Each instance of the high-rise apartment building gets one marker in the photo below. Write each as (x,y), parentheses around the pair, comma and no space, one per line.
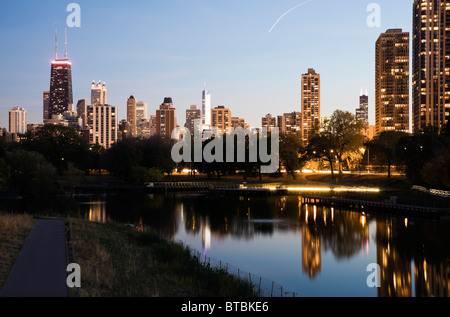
(362,113)
(166,118)
(237,122)
(310,103)
(221,118)
(392,81)
(61,97)
(269,122)
(206,107)
(102,125)
(98,94)
(131,115)
(192,114)
(292,123)
(18,120)
(431,63)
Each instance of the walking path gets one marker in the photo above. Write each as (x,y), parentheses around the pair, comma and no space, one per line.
(40,269)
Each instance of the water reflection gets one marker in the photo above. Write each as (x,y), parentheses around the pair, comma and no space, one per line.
(317,250)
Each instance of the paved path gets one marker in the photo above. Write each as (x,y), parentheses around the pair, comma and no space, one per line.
(40,269)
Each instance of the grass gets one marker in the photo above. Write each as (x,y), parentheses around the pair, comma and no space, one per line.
(14,230)
(118,261)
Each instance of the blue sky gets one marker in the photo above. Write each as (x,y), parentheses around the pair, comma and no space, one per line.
(154,49)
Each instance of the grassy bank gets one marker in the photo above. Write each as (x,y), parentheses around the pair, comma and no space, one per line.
(119,261)
(14,230)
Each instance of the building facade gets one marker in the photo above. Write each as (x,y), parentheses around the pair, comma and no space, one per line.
(102,125)
(392,81)
(310,104)
(98,94)
(18,120)
(431,64)
(362,113)
(61,97)
(221,118)
(206,107)
(166,118)
(192,114)
(131,115)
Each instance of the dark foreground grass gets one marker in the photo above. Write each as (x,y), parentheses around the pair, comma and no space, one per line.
(14,230)
(118,261)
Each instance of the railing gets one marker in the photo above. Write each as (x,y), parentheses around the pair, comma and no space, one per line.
(263,287)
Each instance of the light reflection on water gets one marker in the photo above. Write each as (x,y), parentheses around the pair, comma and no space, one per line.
(310,250)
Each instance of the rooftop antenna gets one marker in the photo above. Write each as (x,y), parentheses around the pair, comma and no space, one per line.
(56,42)
(65,42)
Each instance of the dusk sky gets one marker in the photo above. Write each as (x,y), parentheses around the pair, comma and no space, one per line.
(155,49)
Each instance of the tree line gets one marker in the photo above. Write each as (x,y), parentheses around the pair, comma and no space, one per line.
(55,157)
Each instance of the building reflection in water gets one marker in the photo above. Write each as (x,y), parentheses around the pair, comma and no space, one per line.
(97,212)
(406,275)
(414,259)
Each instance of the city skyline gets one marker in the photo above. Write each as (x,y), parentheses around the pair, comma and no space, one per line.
(252,72)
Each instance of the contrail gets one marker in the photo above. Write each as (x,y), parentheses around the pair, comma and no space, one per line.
(290,10)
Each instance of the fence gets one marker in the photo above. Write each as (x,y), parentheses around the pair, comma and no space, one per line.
(263,287)
(435,192)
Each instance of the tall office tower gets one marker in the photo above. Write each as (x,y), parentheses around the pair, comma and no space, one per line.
(192,114)
(206,107)
(131,115)
(166,118)
(82,112)
(98,94)
(269,122)
(310,104)
(102,125)
(141,111)
(221,118)
(362,113)
(46,103)
(17,120)
(392,81)
(61,98)
(431,64)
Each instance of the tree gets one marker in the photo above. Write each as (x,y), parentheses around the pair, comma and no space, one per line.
(321,146)
(60,145)
(383,147)
(344,133)
(291,148)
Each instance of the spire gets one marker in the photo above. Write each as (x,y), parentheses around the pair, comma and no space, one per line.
(65,43)
(56,42)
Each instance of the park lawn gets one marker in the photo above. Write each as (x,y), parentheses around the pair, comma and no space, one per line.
(119,261)
(14,230)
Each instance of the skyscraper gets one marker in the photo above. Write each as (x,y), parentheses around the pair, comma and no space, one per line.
(141,111)
(166,118)
(131,115)
(392,81)
(431,63)
(269,122)
(61,98)
(17,120)
(221,118)
(192,114)
(98,94)
(102,125)
(310,103)
(362,113)
(206,107)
